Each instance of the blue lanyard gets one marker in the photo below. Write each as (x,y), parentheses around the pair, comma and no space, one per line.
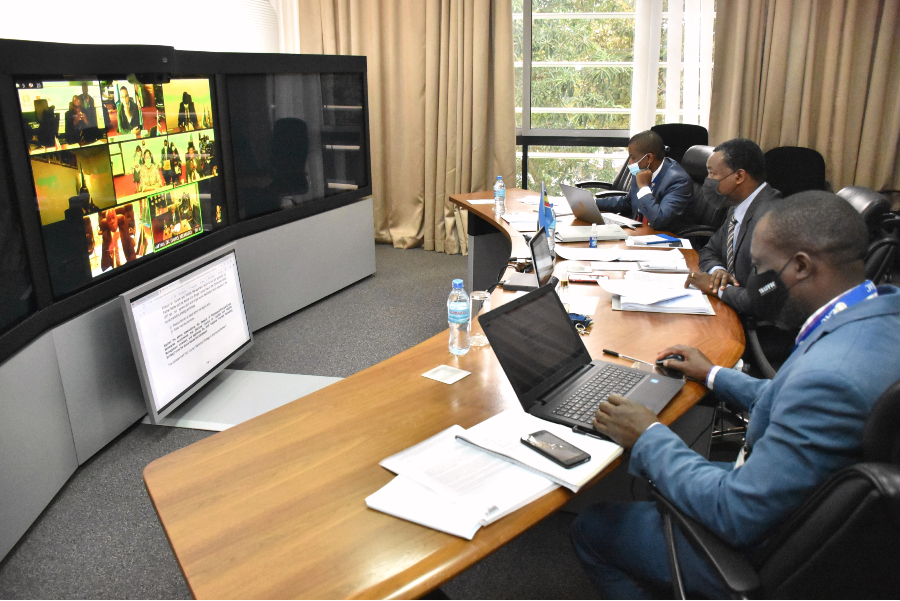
(853,296)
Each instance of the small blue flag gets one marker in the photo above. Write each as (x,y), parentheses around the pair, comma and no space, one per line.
(545,216)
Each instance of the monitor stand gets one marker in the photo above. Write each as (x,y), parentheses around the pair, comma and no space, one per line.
(235,396)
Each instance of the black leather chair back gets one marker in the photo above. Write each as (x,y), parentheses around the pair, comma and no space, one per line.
(679,137)
(881,437)
(792,169)
(871,205)
(843,542)
(701,212)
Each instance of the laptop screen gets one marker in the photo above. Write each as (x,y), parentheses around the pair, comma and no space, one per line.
(535,342)
(540,255)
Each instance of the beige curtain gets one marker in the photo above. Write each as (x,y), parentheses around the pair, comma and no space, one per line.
(824,74)
(441,102)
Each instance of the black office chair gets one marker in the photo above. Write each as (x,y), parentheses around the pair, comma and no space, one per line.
(792,169)
(620,185)
(679,137)
(706,218)
(840,544)
(884,230)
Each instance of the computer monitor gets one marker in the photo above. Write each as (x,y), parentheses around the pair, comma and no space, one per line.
(185,327)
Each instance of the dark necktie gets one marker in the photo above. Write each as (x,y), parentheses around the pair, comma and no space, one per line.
(729,251)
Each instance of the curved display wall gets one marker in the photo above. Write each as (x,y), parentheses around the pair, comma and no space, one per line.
(123,162)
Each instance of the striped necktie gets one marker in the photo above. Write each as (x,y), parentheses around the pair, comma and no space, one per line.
(729,251)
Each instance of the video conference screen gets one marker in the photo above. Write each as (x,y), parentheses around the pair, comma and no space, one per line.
(121,170)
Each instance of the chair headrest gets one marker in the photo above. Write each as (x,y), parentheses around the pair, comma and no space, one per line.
(870,204)
(881,437)
(694,162)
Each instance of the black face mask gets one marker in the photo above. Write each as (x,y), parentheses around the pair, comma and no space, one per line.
(711,194)
(768,293)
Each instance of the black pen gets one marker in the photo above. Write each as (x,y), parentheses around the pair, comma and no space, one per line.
(615,354)
(592,433)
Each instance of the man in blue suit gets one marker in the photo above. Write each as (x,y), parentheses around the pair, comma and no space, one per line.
(661,192)
(805,424)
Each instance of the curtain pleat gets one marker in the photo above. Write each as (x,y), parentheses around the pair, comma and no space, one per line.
(441,103)
(816,73)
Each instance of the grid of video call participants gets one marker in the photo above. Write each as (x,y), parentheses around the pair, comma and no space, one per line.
(124,157)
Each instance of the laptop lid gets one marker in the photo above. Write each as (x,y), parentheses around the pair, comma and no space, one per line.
(583,204)
(536,343)
(541,257)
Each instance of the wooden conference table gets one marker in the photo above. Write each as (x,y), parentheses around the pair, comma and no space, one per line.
(274,507)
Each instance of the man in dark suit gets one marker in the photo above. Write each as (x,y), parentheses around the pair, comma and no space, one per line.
(661,193)
(737,176)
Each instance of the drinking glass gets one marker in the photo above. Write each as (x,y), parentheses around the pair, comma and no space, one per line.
(481,303)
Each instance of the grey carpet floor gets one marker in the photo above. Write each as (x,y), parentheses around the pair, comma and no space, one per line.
(100,539)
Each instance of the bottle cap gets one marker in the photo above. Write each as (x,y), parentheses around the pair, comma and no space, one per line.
(457,283)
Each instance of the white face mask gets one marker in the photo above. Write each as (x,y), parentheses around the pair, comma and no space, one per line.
(635,166)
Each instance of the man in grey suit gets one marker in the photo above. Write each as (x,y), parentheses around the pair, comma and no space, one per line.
(737,176)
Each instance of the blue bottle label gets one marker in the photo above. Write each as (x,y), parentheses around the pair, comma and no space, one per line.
(458,313)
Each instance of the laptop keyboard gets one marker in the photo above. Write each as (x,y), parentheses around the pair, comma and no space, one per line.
(582,405)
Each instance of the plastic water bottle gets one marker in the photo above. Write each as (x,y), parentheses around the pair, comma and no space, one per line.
(458,318)
(499,196)
(593,242)
(551,229)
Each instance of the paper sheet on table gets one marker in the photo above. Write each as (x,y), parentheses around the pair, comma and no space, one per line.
(667,280)
(693,303)
(587,254)
(561,206)
(660,255)
(635,241)
(406,499)
(478,481)
(644,293)
(530,200)
(481,201)
(614,266)
(502,433)
(586,305)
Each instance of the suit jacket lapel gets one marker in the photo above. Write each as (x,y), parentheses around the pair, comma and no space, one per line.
(748,217)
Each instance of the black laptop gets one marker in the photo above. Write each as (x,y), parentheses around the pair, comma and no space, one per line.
(543,266)
(550,369)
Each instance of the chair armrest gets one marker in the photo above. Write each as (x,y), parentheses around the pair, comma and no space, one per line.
(729,564)
(594,184)
(697,230)
(759,357)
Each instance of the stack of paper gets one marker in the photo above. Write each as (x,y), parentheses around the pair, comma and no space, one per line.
(447,485)
(460,480)
(654,295)
(501,436)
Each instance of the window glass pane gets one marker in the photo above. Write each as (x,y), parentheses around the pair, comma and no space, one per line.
(554,165)
(518,84)
(582,6)
(602,93)
(582,63)
(583,39)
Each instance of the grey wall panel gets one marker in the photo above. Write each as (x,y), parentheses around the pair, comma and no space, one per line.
(103,393)
(37,454)
(287,268)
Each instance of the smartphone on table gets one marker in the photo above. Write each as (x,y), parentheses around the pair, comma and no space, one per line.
(555,448)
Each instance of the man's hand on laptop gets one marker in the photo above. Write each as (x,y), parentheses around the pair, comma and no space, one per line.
(695,365)
(623,420)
